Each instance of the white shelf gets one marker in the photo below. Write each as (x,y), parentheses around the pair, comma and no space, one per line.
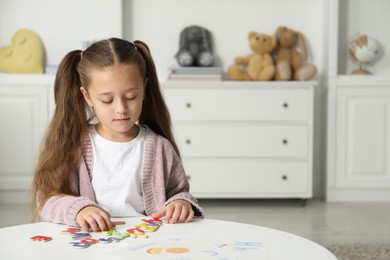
(348,80)
(233,84)
(351,17)
(30,79)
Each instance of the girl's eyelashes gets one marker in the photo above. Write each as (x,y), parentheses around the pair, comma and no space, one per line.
(131,98)
(111,100)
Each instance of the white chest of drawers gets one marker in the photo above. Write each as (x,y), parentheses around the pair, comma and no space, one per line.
(244,139)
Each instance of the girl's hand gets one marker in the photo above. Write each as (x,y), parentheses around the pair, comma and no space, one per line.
(178,211)
(95,219)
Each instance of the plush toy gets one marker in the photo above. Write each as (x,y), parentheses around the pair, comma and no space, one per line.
(288,61)
(256,66)
(195,47)
(25,55)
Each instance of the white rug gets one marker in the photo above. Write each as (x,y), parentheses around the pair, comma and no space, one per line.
(360,251)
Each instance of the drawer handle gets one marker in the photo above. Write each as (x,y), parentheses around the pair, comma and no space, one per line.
(188,141)
(285,105)
(188,105)
(285,141)
(284,177)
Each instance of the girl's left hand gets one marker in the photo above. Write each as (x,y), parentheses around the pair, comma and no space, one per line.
(178,211)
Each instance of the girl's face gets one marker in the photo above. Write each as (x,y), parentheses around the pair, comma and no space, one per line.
(116,95)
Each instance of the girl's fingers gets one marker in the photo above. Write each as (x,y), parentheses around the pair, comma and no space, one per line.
(184,214)
(168,215)
(84,226)
(92,224)
(101,223)
(175,216)
(178,211)
(105,222)
(190,216)
(159,214)
(95,219)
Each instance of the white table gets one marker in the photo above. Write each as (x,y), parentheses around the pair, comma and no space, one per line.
(200,239)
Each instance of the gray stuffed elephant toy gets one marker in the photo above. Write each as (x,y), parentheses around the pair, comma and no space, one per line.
(195,47)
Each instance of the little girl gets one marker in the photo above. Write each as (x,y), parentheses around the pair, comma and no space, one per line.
(127,163)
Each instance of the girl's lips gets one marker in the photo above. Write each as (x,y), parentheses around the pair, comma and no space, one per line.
(121,119)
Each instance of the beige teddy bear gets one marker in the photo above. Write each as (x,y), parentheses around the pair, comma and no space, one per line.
(256,66)
(289,62)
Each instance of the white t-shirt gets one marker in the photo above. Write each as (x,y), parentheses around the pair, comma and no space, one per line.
(116,174)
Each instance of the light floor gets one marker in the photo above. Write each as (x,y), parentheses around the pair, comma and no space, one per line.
(319,221)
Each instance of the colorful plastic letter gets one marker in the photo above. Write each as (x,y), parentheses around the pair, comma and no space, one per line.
(89,240)
(41,238)
(80,235)
(69,231)
(79,245)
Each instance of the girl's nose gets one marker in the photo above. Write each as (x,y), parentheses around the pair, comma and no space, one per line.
(120,107)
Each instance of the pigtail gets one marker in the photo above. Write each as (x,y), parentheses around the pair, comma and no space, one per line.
(70,121)
(155,113)
(61,152)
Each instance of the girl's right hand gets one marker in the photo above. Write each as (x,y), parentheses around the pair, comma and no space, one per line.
(95,219)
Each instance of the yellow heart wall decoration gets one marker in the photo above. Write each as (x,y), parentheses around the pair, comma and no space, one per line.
(25,55)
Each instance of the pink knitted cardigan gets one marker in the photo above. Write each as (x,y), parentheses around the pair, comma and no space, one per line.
(163,181)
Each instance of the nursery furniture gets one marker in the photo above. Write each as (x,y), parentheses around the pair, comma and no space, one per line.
(244,139)
(358,146)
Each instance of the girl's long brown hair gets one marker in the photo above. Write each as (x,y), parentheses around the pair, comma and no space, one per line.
(61,150)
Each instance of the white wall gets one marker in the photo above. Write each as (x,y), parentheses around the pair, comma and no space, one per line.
(365,17)
(61,25)
(64,24)
(159,24)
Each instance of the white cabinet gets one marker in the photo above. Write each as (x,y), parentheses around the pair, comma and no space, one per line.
(24,112)
(359,154)
(363,125)
(358,138)
(244,139)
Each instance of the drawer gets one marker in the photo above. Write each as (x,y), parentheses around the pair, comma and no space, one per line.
(245,140)
(239,104)
(247,178)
